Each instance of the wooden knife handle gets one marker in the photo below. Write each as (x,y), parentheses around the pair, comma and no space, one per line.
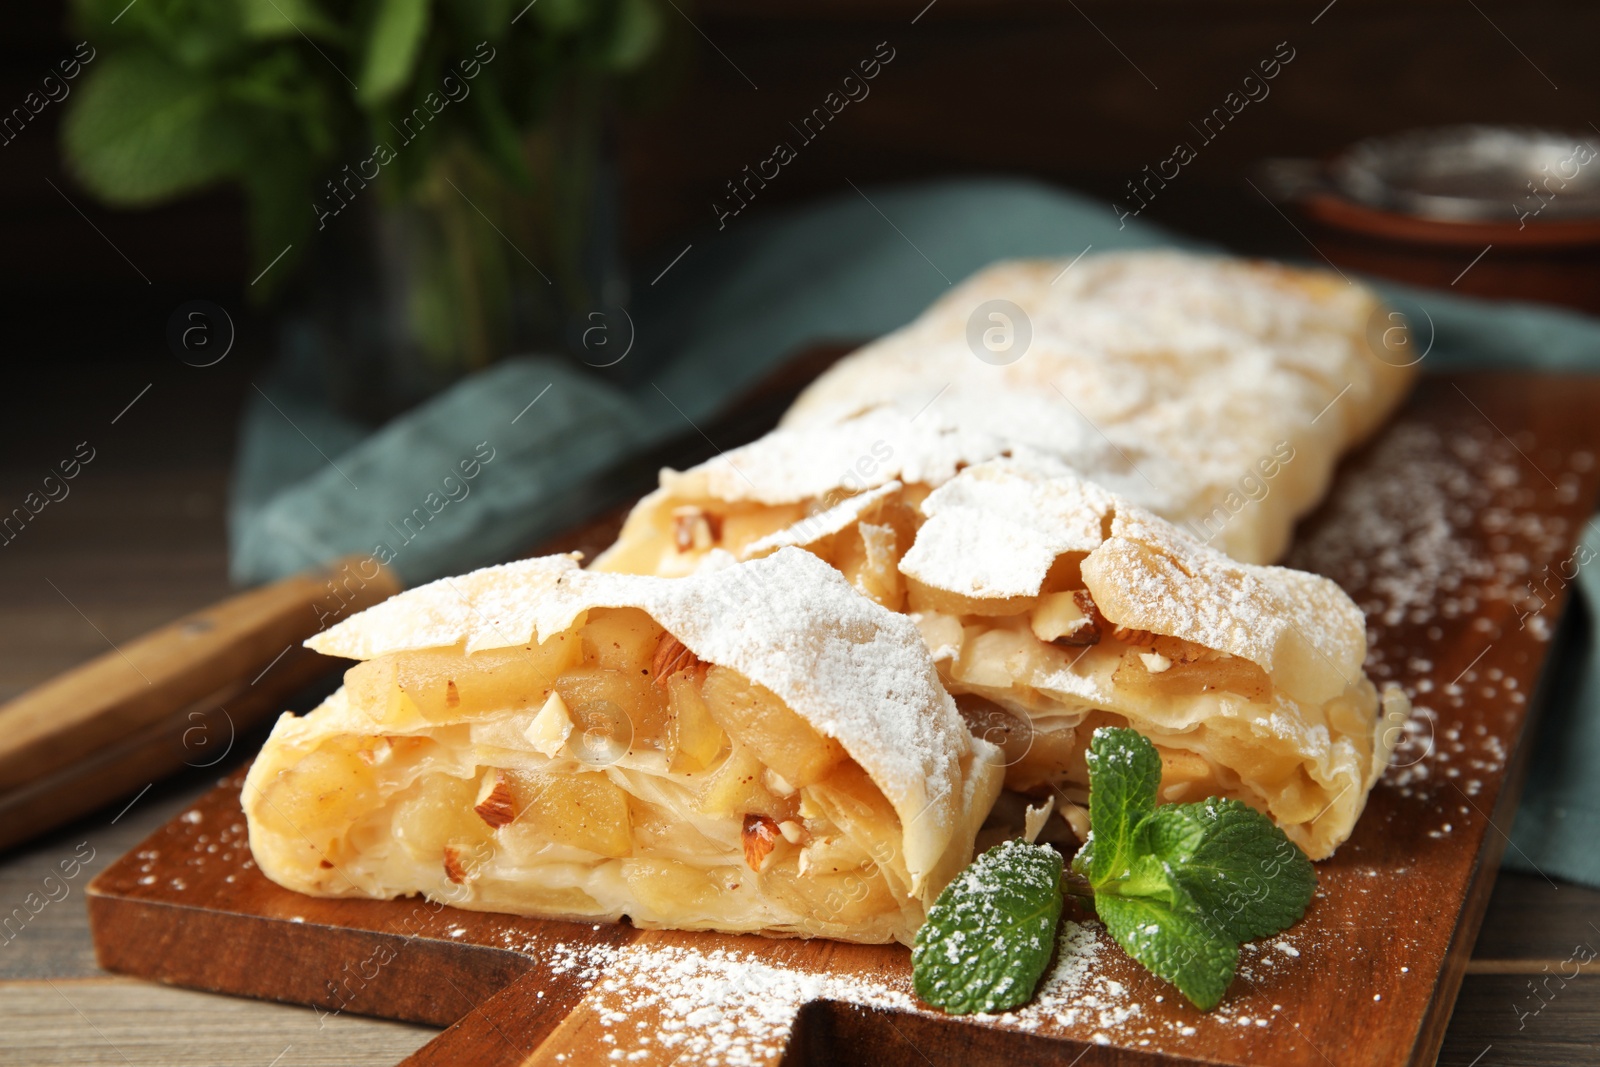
(227,655)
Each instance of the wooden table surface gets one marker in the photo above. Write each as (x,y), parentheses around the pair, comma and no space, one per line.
(141,539)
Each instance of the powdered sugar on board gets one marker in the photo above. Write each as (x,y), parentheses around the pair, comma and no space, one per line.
(1435,524)
(1437,534)
(1094,992)
(718,1006)
(729,1008)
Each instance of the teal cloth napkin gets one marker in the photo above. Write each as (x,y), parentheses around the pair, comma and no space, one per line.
(310,485)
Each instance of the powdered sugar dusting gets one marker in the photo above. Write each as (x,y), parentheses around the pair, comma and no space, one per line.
(996,528)
(725,1006)
(1435,524)
(790,465)
(1152,576)
(816,527)
(1442,531)
(718,1007)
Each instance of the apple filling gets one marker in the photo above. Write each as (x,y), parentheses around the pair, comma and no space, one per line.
(863,536)
(1044,728)
(605,772)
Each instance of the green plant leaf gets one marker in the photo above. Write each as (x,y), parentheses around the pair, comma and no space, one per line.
(479,20)
(394,40)
(1245,878)
(1173,944)
(272,19)
(1124,772)
(141,129)
(563,16)
(991,933)
(634,36)
(282,97)
(190,34)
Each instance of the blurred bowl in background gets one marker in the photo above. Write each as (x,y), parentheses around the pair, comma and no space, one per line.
(1473,174)
(1507,212)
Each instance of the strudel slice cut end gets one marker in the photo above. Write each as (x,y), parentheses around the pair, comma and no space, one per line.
(1053,608)
(754,749)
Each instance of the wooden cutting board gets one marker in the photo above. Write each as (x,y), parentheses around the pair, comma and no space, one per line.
(1454,531)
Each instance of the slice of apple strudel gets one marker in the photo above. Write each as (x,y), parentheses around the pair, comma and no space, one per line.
(1052,608)
(757,749)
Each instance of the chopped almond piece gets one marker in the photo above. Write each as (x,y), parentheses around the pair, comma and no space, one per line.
(1155,662)
(454,869)
(1098,624)
(695,529)
(549,730)
(760,836)
(496,805)
(1090,609)
(671,657)
(1067,619)
(378,753)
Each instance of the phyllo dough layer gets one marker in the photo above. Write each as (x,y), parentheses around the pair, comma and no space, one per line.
(752,749)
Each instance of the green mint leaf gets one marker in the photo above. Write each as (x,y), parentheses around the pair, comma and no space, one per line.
(991,933)
(1180,886)
(1167,939)
(1124,771)
(1245,878)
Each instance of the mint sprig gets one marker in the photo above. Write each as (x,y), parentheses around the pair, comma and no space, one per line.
(1178,886)
(991,933)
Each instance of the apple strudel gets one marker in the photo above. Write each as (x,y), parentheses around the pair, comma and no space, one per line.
(752,749)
